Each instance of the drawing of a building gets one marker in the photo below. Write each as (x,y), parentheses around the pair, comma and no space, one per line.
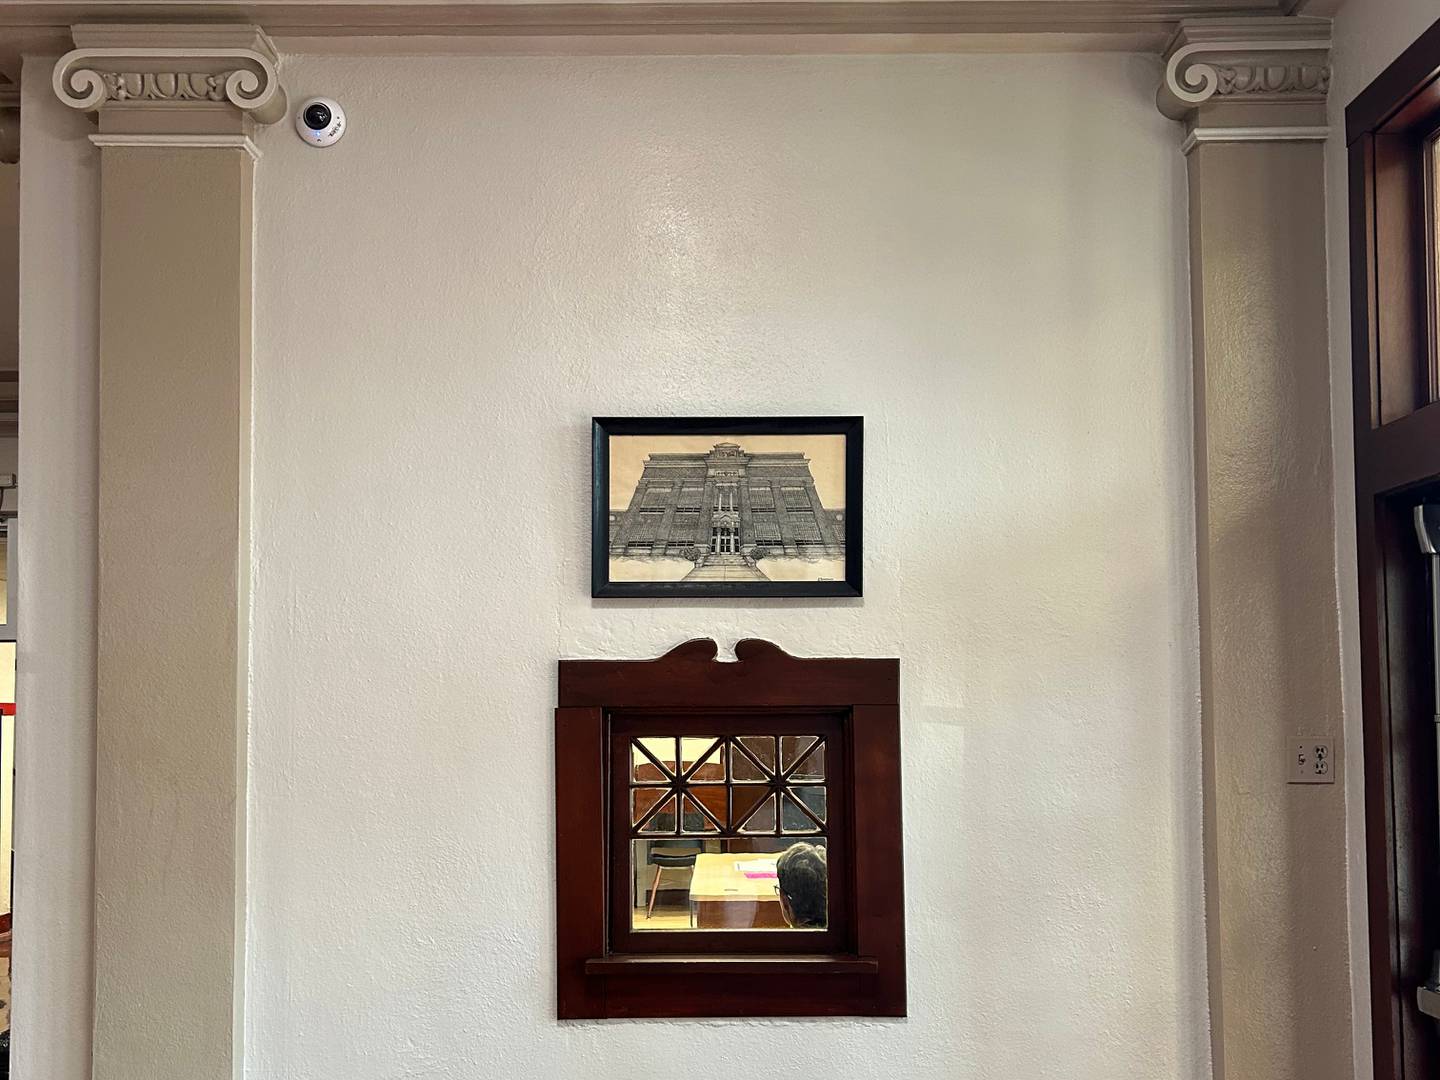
(729,507)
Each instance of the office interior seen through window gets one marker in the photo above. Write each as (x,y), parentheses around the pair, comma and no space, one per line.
(730,832)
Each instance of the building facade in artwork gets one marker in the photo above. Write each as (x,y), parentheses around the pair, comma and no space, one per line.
(727,503)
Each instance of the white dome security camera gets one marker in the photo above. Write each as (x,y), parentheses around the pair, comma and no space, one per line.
(320,121)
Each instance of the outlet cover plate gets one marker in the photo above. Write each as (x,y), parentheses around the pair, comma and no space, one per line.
(1310,761)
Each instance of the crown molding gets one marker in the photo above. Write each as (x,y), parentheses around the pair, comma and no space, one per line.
(1284,133)
(171,66)
(184,142)
(1268,61)
(427,25)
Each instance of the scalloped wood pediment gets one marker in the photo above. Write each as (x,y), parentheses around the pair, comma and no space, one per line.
(691,675)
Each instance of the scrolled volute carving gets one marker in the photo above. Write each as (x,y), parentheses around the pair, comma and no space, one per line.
(95,78)
(1249,62)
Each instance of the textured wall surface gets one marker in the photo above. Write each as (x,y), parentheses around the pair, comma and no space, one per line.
(1367,36)
(1268,624)
(9,266)
(52,971)
(174,608)
(983,255)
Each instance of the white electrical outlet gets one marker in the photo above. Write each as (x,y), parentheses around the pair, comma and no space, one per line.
(1311,761)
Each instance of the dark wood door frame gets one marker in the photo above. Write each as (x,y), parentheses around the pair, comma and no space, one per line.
(1397,464)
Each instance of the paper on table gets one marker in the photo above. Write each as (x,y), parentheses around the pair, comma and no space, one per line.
(756,868)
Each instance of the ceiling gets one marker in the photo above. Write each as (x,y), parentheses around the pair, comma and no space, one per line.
(645,26)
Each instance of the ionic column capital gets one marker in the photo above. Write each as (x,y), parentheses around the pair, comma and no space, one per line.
(1259,79)
(173,77)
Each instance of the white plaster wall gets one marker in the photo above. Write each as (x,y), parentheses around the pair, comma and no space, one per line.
(1367,35)
(52,974)
(9,266)
(984,255)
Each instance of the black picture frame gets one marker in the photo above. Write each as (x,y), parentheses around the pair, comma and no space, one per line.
(604,427)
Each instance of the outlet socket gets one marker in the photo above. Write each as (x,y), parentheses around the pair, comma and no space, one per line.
(1310,761)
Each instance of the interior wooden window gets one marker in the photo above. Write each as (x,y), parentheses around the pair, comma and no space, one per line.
(728,838)
(703,808)
(1391,133)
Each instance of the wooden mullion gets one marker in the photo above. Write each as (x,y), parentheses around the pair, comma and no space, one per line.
(1402,454)
(700,760)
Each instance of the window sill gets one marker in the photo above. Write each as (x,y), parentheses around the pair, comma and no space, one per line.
(732,965)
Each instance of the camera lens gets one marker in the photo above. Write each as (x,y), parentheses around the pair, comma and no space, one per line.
(316,116)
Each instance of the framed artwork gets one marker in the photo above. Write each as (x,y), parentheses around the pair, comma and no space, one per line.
(727,506)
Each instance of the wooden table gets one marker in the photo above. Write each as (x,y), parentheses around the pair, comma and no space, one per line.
(723,898)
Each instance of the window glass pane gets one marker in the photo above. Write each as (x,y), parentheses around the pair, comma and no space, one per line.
(705,758)
(812,765)
(661,821)
(812,799)
(793,748)
(730,884)
(743,801)
(694,819)
(793,818)
(642,800)
(1433,263)
(713,800)
(763,819)
(652,760)
(709,816)
(760,749)
(743,767)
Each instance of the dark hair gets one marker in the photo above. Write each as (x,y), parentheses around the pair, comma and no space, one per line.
(801,873)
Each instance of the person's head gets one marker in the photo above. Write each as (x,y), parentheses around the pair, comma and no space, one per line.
(800,871)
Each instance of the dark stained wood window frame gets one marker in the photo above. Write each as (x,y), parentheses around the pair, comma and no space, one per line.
(1396,379)
(858,966)
(828,723)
